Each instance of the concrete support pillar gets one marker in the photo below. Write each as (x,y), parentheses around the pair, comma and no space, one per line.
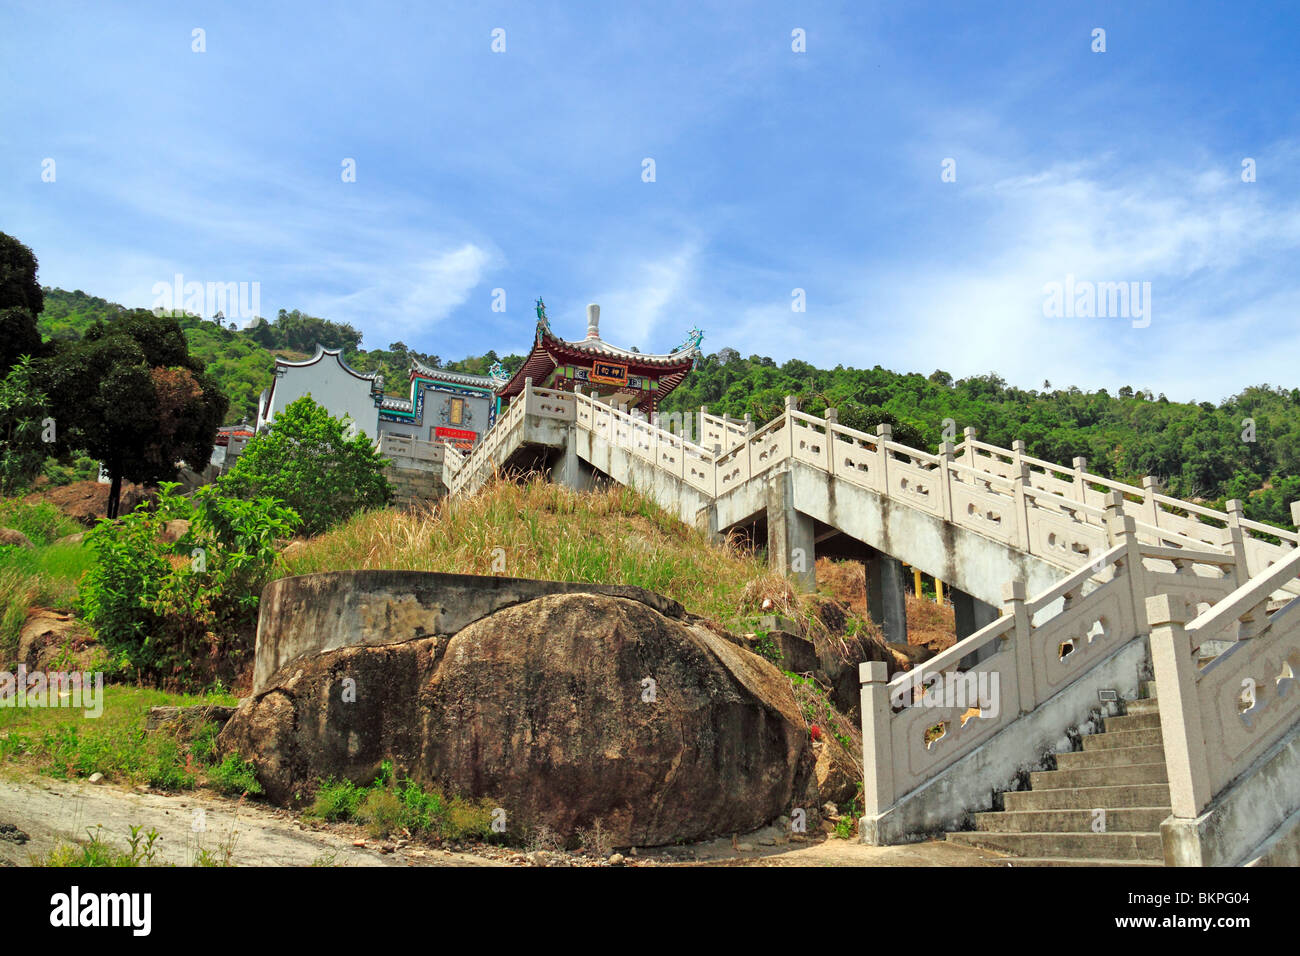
(970,614)
(790,546)
(571,471)
(887,595)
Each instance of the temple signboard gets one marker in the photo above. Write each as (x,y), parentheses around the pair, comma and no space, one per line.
(608,373)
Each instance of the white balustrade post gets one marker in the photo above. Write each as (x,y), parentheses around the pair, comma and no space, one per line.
(1237,537)
(789,425)
(1150,507)
(1295,515)
(749,424)
(1021,478)
(877,749)
(968,446)
(884,434)
(945,478)
(1080,486)
(528,395)
(1190,786)
(1122,529)
(1020,637)
(1017,454)
(832,419)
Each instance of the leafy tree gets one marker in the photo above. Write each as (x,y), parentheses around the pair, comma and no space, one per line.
(308,460)
(130,394)
(22,414)
(21,300)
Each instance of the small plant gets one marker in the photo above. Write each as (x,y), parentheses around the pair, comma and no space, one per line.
(594,840)
(337,800)
(543,838)
(235,776)
(221,855)
(382,812)
(765,646)
(98,852)
(143,845)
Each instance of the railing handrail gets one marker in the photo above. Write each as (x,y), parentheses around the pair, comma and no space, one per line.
(1249,595)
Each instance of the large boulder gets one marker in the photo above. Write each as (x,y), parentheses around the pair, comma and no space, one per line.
(562,710)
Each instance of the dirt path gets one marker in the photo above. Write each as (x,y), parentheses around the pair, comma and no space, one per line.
(39,813)
(51,812)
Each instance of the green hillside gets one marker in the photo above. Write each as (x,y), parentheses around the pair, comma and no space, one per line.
(243,360)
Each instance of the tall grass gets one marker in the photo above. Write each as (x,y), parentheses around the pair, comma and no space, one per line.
(543,530)
(45,574)
(42,522)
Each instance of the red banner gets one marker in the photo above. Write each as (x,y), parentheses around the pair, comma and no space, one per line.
(460,437)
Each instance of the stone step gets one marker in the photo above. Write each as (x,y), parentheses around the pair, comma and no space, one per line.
(1110,846)
(1125,820)
(1110,757)
(1085,798)
(1141,707)
(1132,722)
(1099,776)
(1124,739)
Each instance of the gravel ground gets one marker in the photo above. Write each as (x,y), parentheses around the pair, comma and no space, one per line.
(38,813)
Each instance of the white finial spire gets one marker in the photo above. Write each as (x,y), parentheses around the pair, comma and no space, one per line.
(593,321)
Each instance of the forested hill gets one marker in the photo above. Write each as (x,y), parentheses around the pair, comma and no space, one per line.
(243,360)
(1199,451)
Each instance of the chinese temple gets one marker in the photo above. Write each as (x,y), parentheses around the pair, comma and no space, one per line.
(624,378)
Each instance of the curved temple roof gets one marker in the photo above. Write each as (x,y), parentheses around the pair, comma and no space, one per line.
(550,351)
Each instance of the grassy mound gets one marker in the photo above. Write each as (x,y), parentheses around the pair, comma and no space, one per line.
(542,530)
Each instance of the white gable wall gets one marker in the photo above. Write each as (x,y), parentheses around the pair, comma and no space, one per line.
(330,385)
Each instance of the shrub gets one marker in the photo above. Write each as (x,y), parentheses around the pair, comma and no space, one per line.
(182,614)
(42,522)
(337,800)
(308,460)
(235,775)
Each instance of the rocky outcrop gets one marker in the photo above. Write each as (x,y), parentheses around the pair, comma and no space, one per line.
(12,536)
(55,640)
(562,710)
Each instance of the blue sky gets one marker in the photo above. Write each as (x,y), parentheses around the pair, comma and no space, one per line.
(774,171)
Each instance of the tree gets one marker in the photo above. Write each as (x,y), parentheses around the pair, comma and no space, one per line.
(22,414)
(308,460)
(21,301)
(130,394)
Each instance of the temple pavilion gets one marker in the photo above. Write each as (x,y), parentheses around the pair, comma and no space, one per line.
(621,377)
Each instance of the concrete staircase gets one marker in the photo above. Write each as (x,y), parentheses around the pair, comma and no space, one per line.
(1121,771)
